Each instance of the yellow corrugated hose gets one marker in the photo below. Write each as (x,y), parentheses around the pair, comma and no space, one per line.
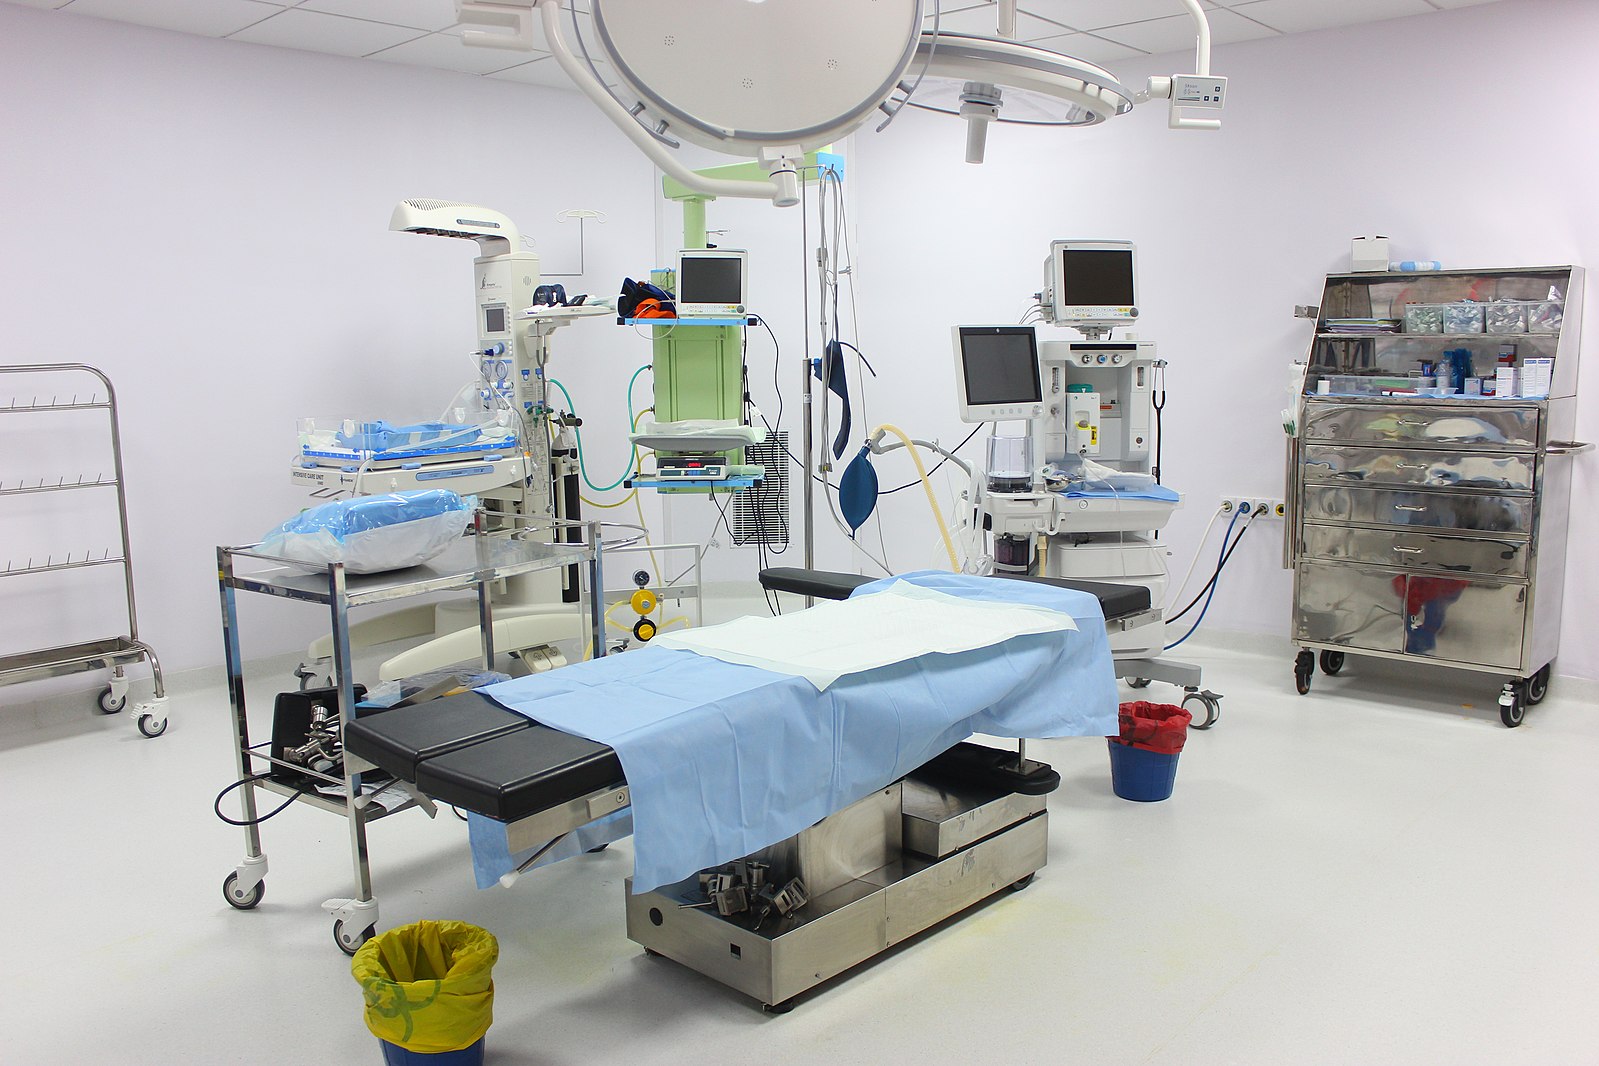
(927,486)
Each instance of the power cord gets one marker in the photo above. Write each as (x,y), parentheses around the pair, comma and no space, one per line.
(217,805)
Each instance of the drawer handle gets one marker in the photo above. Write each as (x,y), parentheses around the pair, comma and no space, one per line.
(1412,466)
(1568,447)
(1408,551)
(1408,507)
(1409,422)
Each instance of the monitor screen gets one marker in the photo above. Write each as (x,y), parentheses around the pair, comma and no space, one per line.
(1096,278)
(1000,365)
(494,320)
(710,280)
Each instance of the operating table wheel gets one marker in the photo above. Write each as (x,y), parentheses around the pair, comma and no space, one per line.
(350,943)
(1138,682)
(238,900)
(1017,886)
(778,1008)
(110,704)
(1332,662)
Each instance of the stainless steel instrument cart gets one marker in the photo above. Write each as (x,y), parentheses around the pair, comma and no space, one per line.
(476,561)
(114,653)
(1428,526)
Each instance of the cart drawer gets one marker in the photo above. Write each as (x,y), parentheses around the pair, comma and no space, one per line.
(1355,606)
(1414,467)
(1465,620)
(1370,506)
(1499,428)
(1505,557)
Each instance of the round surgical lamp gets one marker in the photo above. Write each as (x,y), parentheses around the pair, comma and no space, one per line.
(754,78)
(989,79)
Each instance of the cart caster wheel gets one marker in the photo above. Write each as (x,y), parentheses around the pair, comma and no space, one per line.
(1332,662)
(109,703)
(1211,705)
(1304,669)
(777,1008)
(1538,686)
(350,943)
(237,898)
(1017,886)
(151,725)
(1138,682)
(653,954)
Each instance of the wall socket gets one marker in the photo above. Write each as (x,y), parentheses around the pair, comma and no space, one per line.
(1274,507)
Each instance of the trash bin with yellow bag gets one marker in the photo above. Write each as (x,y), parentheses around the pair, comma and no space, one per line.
(429,992)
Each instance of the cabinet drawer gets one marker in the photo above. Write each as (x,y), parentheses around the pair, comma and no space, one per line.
(1371,506)
(1354,606)
(1435,469)
(1465,620)
(1417,551)
(1499,428)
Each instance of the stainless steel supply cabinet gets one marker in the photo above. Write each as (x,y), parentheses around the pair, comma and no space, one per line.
(1432,528)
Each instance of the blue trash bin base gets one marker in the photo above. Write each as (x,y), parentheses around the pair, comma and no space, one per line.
(395,1055)
(1139,775)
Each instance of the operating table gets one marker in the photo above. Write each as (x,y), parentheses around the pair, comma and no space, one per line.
(774,923)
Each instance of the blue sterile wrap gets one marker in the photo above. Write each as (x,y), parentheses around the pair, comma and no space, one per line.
(1153,492)
(369,534)
(723,759)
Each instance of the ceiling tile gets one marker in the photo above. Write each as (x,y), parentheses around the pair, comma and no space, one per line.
(1095,14)
(447,52)
(1297,16)
(312,31)
(1087,46)
(984,21)
(1176,33)
(207,18)
(417,14)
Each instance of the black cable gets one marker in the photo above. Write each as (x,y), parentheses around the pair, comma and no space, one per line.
(217,806)
(942,459)
(777,360)
(1228,554)
(1159,404)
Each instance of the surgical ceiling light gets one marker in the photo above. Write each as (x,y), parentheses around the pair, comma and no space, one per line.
(772,81)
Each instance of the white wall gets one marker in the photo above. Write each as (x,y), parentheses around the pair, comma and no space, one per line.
(208,222)
(1466,136)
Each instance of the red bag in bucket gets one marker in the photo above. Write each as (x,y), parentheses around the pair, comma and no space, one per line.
(1159,727)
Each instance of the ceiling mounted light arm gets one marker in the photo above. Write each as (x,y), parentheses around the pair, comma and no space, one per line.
(508,24)
(1198,90)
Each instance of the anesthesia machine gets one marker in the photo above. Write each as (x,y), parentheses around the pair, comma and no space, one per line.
(1079,494)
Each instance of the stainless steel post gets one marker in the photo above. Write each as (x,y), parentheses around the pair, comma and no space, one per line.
(596,590)
(344,680)
(241,729)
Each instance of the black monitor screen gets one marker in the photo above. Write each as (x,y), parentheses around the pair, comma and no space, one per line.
(1000,364)
(1096,278)
(494,320)
(710,280)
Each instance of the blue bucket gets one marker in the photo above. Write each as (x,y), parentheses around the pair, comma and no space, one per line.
(395,1055)
(1144,776)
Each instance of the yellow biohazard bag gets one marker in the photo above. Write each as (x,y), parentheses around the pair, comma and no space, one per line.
(428,986)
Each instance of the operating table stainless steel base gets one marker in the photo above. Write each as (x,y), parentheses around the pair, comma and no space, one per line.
(878,872)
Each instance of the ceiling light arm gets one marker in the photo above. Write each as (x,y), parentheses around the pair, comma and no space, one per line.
(1198,90)
(508,24)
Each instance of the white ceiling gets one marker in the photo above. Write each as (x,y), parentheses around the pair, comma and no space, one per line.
(423,32)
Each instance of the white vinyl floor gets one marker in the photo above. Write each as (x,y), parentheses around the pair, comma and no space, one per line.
(1376,873)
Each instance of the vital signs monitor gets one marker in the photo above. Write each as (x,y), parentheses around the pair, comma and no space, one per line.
(996,373)
(1091,284)
(711,282)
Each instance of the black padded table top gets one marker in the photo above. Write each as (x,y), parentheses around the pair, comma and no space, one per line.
(1116,601)
(469,751)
